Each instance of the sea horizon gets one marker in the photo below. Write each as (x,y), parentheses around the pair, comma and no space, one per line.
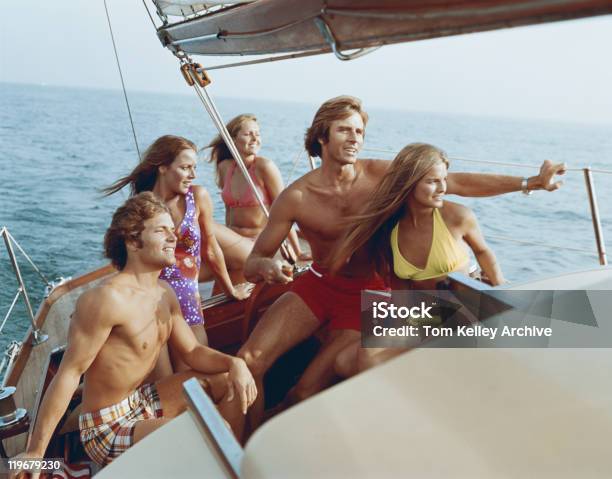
(380,107)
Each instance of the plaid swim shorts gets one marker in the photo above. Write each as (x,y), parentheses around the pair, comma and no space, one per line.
(107,433)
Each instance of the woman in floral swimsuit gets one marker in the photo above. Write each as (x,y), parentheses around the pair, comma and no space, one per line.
(168,169)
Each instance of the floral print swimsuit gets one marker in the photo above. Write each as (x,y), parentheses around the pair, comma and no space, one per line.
(183,276)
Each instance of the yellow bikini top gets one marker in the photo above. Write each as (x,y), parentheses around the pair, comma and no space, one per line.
(445,254)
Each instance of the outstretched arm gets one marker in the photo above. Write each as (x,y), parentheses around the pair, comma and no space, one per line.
(89,329)
(260,265)
(484,255)
(481,184)
(212,253)
(210,361)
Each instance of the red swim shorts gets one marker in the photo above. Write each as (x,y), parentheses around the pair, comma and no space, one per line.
(335,299)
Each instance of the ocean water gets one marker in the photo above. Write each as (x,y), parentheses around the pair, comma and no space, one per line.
(58,146)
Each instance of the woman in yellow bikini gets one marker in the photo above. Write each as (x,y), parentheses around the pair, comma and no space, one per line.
(412,236)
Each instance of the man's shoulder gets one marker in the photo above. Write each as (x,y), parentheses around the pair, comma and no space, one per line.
(296,190)
(374,167)
(114,292)
(101,301)
(107,292)
(289,202)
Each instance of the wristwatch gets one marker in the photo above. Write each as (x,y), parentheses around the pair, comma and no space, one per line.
(524,188)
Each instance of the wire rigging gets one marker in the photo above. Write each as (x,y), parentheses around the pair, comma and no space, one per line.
(122,82)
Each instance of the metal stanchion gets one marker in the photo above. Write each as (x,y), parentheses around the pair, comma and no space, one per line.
(38,336)
(590,186)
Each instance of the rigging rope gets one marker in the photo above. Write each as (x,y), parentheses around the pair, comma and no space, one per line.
(149,13)
(537,243)
(293,165)
(121,76)
(10,310)
(25,255)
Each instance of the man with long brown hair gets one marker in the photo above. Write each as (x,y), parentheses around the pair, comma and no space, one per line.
(115,337)
(318,202)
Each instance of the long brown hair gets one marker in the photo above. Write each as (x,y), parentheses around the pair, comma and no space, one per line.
(371,229)
(220,150)
(337,108)
(162,152)
(127,225)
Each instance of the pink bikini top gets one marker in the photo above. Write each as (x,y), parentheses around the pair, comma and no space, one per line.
(247,198)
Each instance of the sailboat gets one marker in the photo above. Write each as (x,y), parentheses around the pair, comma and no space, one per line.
(427,413)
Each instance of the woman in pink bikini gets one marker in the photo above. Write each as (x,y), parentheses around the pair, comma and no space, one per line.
(242,211)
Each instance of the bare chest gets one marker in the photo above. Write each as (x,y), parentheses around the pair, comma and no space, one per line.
(325,216)
(146,328)
(325,213)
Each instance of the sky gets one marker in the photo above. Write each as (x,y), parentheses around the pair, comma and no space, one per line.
(557,71)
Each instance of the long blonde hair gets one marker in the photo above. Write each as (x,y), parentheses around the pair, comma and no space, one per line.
(220,150)
(371,229)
